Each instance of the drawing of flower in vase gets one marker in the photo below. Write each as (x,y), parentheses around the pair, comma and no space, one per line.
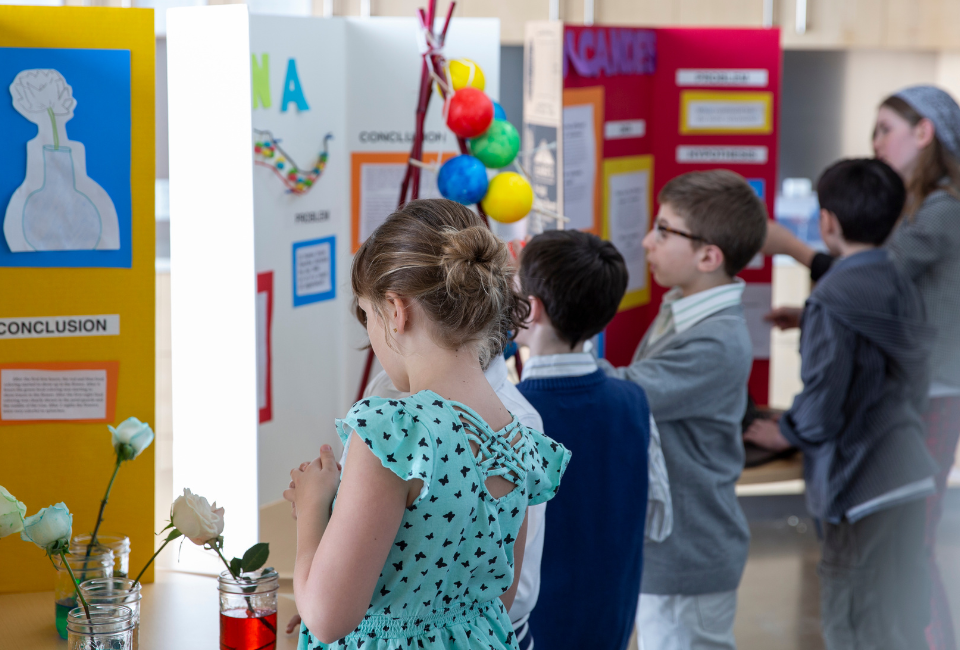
(57,207)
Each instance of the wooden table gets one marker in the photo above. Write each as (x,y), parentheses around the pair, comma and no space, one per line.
(782,469)
(179,611)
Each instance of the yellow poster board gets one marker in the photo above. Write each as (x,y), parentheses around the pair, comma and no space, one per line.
(76,311)
(707,112)
(627,218)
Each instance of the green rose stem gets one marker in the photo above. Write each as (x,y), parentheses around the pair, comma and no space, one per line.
(76,583)
(246,598)
(53,121)
(235,576)
(103,504)
(152,558)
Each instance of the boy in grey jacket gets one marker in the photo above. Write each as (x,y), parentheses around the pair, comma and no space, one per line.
(693,363)
(864,352)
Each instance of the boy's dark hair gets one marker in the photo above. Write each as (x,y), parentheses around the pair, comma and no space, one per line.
(866,196)
(579,278)
(720,207)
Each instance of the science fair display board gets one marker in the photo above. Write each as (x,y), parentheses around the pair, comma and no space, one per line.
(77,270)
(612,113)
(289,139)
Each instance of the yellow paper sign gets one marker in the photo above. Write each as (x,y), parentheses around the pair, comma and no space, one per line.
(726,113)
(627,209)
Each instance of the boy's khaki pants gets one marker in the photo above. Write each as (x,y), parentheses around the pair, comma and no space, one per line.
(678,622)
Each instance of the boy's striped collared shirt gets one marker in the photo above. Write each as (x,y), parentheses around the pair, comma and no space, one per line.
(678,314)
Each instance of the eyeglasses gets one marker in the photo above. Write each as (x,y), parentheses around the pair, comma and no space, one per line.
(662,232)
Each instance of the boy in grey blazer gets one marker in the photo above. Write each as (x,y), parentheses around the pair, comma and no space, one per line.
(864,360)
(693,363)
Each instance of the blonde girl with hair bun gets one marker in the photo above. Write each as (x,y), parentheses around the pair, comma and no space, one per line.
(424,546)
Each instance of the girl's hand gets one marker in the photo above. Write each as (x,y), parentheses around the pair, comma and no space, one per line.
(785,317)
(290,494)
(293,624)
(315,484)
(766,435)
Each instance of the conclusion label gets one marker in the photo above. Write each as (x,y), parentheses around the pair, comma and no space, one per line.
(40,327)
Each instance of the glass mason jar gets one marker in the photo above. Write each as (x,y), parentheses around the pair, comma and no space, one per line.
(108,627)
(116,591)
(248,610)
(98,565)
(119,544)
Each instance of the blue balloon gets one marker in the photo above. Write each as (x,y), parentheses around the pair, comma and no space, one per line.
(498,112)
(463,179)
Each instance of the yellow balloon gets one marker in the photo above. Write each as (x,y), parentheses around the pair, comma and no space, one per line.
(464,72)
(509,197)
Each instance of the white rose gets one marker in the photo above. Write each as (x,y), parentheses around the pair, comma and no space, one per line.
(11,513)
(36,91)
(49,528)
(193,516)
(133,433)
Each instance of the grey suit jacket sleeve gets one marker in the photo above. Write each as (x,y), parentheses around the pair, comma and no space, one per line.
(679,380)
(817,412)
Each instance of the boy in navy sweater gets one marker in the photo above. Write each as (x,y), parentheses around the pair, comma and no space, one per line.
(592,559)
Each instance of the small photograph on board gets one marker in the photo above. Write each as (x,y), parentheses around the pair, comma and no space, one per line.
(65,168)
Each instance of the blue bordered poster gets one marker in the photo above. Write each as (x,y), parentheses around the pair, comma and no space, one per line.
(314,271)
(65,170)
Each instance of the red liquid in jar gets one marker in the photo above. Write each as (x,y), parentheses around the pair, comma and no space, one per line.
(241,629)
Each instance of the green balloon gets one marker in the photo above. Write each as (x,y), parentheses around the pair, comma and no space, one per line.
(498,146)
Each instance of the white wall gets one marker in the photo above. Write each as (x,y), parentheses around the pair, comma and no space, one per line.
(213,313)
(870,76)
(830,100)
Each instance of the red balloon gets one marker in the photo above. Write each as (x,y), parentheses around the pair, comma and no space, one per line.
(469,113)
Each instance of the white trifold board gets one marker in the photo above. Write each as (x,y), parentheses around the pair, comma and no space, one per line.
(232,220)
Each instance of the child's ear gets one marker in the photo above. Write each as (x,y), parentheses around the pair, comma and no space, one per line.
(924,133)
(829,225)
(536,310)
(711,258)
(398,312)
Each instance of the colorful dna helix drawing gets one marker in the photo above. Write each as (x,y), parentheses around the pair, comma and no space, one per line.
(268,153)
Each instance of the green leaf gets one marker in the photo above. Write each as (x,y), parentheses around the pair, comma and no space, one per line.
(235,566)
(173,535)
(170,525)
(256,556)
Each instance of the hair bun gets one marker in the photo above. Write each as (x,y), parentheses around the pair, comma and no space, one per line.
(470,258)
(442,255)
